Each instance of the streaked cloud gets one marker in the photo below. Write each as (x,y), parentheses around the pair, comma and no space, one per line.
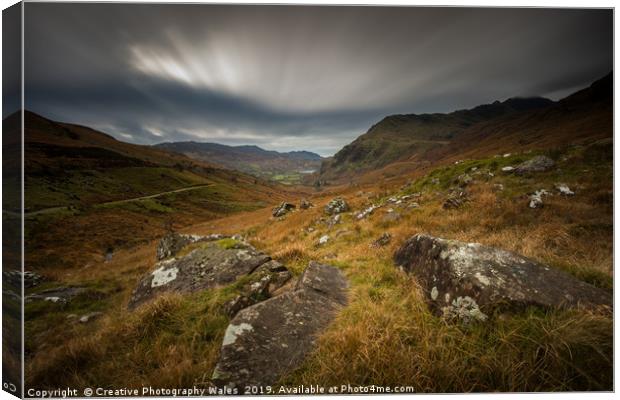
(295,77)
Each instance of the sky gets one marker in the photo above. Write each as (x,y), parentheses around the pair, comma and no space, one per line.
(295,77)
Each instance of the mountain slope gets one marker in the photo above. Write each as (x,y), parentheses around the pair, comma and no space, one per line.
(400,136)
(407,143)
(81,183)
(284,167)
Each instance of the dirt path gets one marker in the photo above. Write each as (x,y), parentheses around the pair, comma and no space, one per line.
(151,196)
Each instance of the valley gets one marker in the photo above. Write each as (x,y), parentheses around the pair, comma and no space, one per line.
(526,176)
(292,168)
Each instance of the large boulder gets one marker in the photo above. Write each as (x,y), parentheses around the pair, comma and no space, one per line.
(273,337)
(209,265)
(469,280)
(173,242)
(282,209)
(536,164)
(336,206)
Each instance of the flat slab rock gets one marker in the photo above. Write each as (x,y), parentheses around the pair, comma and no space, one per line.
(465,280)
(209,265)
(174,242)
(273,337)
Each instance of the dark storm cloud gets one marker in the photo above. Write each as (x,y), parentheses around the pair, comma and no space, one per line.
(293,77)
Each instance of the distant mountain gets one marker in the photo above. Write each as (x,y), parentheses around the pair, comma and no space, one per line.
(288,167)
(408,142)
(400,136)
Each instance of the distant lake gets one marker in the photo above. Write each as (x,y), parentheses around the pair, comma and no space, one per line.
(308,171)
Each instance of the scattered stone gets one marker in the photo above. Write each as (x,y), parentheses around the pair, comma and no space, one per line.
(507,155)
(366,212)
(383,240)
(336,206)
(536,198)
(413,204)
(564,189)
(273,337)
(468,280)
(508,169)
(464,180)
(435,181)
(213,264)
(456,199)
(282,209)
(89,317)
(498,187)
(305,204)
(60,295)
(323,239)
(536,164)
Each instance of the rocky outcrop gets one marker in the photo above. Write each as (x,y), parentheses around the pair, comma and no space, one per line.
(173,242)
(14,278)
(468,280)
(536,164)
(336,206)
(282,209)
(273,337)
(209,265)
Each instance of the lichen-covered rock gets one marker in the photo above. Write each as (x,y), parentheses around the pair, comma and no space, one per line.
(564,189)
(267,281)
(456,199)
(536,164)
(212,264)
(463,180)
(173,242)
(273,337)
(536,198)
(336,206)
(470,279)
(282,209)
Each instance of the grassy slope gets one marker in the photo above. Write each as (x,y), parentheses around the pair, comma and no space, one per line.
(386,335)
(77,181)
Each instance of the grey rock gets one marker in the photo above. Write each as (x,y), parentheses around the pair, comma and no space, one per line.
(469,280)
(208,266)
(564,189)
(536,164)
(58,295)
(14,278)
(282,209)
(336,206)
(90,317)
(536,198)
(271,338)
(173,242)
(463,180)
(455,199)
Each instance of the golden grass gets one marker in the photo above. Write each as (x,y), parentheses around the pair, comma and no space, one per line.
(386,335)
